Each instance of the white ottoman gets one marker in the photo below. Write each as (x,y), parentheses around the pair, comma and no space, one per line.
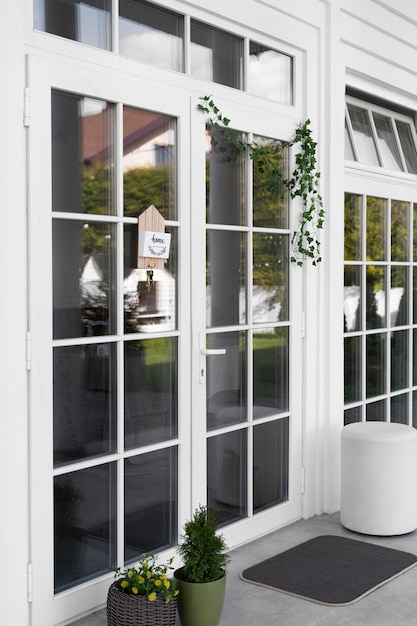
(379,478)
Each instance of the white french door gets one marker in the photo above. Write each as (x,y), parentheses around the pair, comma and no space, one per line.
(149,399)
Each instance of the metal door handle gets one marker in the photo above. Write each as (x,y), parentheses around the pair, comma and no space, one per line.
(209,352)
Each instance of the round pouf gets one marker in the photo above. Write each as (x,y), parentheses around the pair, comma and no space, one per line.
(379,478)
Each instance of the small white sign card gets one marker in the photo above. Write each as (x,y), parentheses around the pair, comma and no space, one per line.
(154,245)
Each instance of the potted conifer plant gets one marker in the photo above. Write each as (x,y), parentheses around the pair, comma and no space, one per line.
(202,578)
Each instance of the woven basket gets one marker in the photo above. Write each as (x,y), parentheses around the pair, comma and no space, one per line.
(127,610)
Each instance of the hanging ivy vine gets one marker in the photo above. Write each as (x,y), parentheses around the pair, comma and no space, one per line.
(303,182)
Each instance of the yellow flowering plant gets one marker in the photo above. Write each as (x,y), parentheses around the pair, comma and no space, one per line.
(148,579)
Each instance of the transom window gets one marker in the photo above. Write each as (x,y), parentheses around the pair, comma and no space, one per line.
(379,138)
(161,37)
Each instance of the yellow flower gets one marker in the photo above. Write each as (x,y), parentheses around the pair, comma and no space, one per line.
(141,580)
(135,590)
(148,574)
(176,592)
(167,584)
(124,584)
(145,564)
(152,596)
(158,583)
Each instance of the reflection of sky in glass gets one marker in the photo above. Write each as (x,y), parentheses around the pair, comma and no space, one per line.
(269,75)
(149,45)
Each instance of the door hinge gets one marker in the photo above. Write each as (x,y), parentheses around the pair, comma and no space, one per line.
(30,581)
(28,350)
(26,107)
(303,480)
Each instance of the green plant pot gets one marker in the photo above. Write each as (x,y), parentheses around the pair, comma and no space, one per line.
(200,604)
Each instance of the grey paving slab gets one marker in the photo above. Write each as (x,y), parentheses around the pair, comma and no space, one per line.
(393,604)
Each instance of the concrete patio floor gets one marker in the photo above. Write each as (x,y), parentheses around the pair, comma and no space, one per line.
(393,604)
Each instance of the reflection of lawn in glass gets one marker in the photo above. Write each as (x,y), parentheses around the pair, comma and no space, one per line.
(270,374)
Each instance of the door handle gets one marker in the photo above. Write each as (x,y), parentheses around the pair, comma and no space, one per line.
(208,352)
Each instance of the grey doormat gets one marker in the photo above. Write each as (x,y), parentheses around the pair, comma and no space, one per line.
(330,570)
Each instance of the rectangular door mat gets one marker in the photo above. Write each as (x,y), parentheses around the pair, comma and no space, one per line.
(330,569)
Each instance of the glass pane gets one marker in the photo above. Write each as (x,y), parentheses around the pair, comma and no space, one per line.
(226,380)
(151,391)
(375,365)
(227,476)
(149,163)
(408,146)
(270,278)
(353,369)
(414,232)
(270,464)
(349,153)
(269,74)
(87,21)
(151,503)
(352,415)
(84,525)
(414,356)
(270,204)
(414,295)
(399,230)
(353,227)
(387,143)
(82,155)
(352,303)
(376,229)
(399,296)
(414,409)
(225,175)
(215,55)
(84,280)
(151,34)
(270,371)
(84,402)
(376,411)
(375,297)
(399,409)
(226,275)
(154,310)
(399,360)
(363,135)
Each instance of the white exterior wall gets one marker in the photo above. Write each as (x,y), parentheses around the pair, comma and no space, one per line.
(367,44)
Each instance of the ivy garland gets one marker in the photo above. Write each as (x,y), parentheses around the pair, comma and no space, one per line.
(303,183)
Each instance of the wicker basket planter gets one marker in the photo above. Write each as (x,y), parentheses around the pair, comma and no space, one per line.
(126,610)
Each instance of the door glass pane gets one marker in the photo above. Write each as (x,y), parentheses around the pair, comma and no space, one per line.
(270,204)
(225,175)
(226,380)
(353,369)
(270,278)
(84,525)
(399,360)
(151,394)
(408,146)
(87,21)
(399,230)
(399,409)
(376,411)
(414,295)
(352,303)
(149,163)
(375,297)
(414,232)
(270,464)
(349,153)
(151,503)
(362,132)
(352,415)
(226,276)
(270,371)
(83,278)
(227,476)
(84,402)
(82,155)
(375,364)
(387,142)
(151,34)
(415,357)
(155,309)
(399,295)
(375,229)
(269,74)
(353,227)
(215,55)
